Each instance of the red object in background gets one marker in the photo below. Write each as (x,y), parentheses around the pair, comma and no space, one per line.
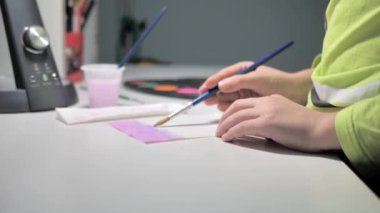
(74,55)
(76,10)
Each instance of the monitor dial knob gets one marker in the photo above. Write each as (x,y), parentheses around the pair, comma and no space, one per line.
(35,39)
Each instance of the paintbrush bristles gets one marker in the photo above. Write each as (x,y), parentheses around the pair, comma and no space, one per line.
(162,121)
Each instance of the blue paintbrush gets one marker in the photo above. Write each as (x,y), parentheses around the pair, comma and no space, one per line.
(139,41)
(215,89)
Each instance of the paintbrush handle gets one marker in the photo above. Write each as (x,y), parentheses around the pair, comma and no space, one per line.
(139,41)
(211,92)
(266,58)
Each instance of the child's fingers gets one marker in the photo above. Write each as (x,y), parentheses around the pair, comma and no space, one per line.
(213,80)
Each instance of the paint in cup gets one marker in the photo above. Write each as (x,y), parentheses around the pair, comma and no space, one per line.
(103,84)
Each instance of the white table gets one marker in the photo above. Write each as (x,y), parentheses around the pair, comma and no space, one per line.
(47,166)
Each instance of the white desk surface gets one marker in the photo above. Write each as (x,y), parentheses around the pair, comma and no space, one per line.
(47,166)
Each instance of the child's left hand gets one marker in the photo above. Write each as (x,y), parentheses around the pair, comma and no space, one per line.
(281,120)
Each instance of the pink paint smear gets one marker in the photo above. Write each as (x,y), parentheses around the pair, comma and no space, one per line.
(143,132)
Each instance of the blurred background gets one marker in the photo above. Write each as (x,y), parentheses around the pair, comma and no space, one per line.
(212,32)
(217,32)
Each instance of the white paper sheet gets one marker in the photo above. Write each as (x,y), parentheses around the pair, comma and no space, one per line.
(84,115)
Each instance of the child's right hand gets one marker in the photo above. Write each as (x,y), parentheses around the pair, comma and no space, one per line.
(262,82)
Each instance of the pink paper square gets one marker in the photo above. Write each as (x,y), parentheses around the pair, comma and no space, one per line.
(143,132)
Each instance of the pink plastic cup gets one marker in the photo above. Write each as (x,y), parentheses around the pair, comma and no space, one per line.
(103,83)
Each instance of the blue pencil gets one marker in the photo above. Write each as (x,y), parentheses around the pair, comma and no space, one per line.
(211,92)
(139,41)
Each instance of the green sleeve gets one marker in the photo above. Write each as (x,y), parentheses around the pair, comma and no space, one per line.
(358,130)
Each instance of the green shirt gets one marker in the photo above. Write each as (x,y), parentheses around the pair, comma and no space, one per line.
(347,76)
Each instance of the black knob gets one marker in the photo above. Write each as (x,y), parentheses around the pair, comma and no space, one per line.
(35,39)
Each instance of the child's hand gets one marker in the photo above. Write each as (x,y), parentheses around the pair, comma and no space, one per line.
(262,82)
(281,120)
